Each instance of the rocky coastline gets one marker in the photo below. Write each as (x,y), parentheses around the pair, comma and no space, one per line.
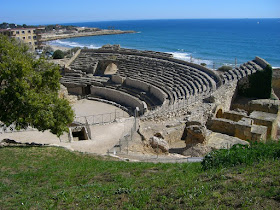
(52,36)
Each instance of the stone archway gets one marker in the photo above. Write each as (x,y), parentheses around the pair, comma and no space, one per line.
(112,68)
(107,67)
(219,111)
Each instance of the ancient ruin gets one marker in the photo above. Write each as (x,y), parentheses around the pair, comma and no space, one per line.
(183,101)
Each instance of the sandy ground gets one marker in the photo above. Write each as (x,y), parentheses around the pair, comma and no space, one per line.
(104,136)
(88,107)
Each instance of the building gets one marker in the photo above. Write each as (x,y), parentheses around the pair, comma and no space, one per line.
(31,36)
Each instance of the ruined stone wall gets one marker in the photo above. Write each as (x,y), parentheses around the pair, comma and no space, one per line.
(243,129)
(262,105)
(225,95)
(234,116)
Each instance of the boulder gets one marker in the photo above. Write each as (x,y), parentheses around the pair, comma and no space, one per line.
(195,134)
(160,143)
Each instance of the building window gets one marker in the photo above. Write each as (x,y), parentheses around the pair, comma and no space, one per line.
(17,32)
(34,37)
(29,37)
(23,32)
(30,43)
(35,43)
(23,37)
(29,31)
(34,31)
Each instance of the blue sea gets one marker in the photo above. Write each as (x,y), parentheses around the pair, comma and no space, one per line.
(215,42)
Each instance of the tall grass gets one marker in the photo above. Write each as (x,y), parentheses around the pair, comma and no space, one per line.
(242,154)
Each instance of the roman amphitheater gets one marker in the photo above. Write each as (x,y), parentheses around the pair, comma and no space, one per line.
(153,104)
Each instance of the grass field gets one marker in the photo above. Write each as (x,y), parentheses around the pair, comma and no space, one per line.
(54,178)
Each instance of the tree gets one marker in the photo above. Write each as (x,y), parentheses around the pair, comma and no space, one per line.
(29,90)
(58,54)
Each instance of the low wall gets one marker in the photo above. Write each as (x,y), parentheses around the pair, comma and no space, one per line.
(232,115)
(156,92)
(118,97)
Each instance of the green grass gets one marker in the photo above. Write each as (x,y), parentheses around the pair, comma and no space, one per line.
(242,154)
(53,178)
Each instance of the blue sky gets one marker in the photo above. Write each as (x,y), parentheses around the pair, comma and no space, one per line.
(65,11)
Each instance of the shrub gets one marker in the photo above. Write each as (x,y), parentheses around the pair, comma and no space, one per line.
(58,54)
(241,154)
(203,64)
(225,68)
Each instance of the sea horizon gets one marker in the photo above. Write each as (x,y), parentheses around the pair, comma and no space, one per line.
(213,41)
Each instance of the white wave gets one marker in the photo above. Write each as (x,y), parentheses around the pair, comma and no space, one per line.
(71,44)
(188,57)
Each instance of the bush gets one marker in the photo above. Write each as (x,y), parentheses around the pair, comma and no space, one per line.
(225,68)
(203,64)
(241,154)
(58,54)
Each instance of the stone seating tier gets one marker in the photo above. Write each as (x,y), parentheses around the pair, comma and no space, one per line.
(178,79)
(242,71)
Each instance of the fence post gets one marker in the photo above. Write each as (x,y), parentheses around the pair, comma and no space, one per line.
(157,150)
(127,144)
(120,145)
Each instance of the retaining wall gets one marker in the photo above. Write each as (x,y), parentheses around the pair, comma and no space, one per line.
(119,97)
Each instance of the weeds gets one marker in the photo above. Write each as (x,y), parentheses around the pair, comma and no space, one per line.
(241,154)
